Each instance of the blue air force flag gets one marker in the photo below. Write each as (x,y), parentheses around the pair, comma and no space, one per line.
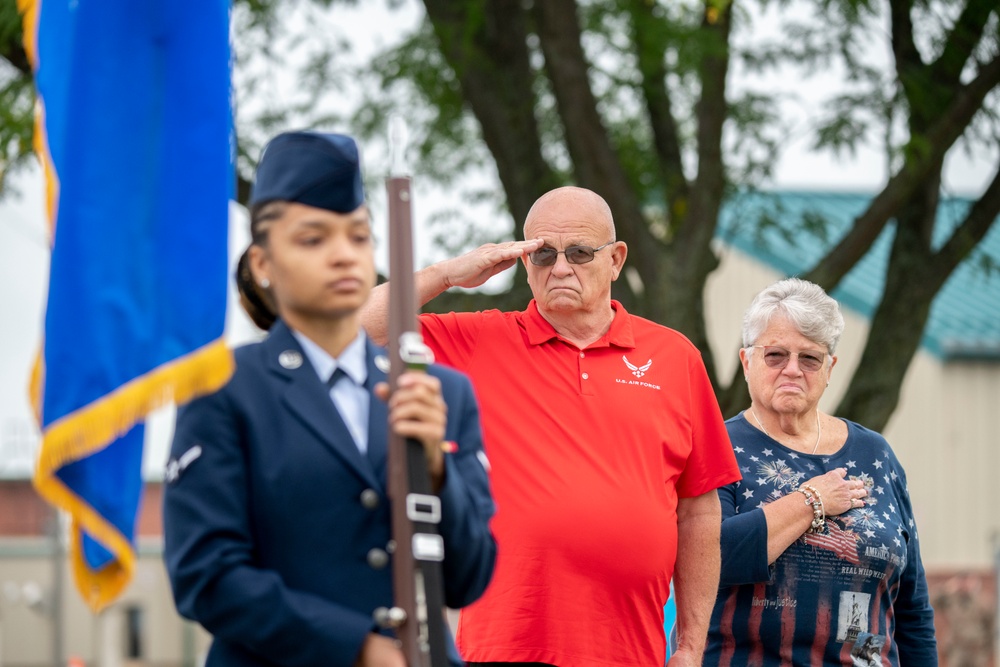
(133,132)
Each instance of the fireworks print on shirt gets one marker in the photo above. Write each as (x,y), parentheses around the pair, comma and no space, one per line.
(779,474)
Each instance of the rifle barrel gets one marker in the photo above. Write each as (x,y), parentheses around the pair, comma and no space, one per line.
(416,511)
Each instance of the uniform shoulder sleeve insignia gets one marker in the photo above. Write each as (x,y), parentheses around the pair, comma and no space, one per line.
(176,467)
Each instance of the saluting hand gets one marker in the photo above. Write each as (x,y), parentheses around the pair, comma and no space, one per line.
(477,266)
(417,410)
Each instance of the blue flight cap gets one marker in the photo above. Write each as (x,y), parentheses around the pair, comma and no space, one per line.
(312,168)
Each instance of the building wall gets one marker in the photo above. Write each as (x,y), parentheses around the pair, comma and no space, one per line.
(952,419)
(29,581)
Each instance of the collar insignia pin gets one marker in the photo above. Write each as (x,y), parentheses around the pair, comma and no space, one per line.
(382,363)
(290,359)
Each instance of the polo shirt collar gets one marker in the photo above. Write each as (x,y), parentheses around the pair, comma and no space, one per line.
(619,335)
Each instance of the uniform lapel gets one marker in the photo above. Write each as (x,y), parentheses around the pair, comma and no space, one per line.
(308,400)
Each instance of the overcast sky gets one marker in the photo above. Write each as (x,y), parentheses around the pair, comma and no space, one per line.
(24,246)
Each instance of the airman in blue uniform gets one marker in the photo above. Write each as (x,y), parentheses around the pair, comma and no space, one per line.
(276,518)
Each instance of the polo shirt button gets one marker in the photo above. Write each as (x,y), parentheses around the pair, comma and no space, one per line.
(582,355)
(377,559)
(586,376)
(369,499)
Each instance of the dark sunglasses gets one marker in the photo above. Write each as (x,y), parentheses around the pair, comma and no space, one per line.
(575,254)
(810,361)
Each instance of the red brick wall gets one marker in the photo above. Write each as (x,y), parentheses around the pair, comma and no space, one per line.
(22,511)
(965,604)
(150,520)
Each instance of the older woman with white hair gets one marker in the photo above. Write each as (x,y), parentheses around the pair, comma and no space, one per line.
(820,556)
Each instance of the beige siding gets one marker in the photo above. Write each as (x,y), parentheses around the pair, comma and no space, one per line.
(946,431)
(26,633)
(946,435)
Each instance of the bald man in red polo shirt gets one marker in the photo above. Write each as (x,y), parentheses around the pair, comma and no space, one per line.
(606,444)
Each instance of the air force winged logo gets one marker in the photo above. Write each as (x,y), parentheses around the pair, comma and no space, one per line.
(637,371)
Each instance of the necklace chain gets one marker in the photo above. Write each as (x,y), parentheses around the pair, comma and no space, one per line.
(819,430)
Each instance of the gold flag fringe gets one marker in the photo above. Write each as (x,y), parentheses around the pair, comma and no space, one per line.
(29,20)
(94,427)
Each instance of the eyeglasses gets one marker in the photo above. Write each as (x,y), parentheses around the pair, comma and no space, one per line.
(575,254)
(810,361)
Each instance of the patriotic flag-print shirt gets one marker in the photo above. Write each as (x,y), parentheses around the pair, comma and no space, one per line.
(854,594)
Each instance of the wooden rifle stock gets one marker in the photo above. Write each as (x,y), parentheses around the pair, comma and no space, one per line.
(418,614)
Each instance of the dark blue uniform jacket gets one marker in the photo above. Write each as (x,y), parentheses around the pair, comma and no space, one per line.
(276,525)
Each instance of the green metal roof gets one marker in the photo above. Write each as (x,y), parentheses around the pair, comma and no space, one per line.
(785,230)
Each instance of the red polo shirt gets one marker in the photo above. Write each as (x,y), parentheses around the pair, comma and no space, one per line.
(590,450)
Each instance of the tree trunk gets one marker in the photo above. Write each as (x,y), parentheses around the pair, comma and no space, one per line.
(914,276)
(485,43)
(941,108)
(894,337)
(681,302)
(596,163)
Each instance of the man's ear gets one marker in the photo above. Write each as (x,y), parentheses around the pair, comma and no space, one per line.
(619,251)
